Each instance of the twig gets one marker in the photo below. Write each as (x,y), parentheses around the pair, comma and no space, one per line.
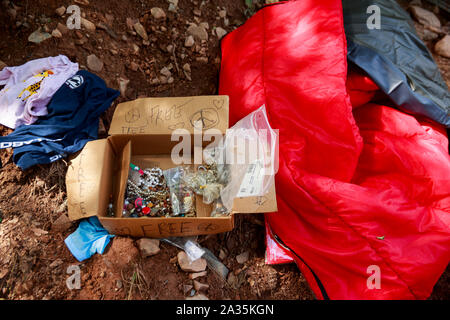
(131,286)
(175,58)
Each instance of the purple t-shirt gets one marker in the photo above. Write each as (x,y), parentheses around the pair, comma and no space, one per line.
(29,88)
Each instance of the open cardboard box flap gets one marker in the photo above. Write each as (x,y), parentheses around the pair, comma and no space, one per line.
(163,115)
(96,174)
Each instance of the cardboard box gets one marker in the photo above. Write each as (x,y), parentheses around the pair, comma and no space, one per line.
(140,133)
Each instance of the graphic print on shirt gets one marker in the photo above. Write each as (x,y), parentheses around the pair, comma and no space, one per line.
(34,88)
(74,82)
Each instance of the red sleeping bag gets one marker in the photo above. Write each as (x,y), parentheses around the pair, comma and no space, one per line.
(363,193)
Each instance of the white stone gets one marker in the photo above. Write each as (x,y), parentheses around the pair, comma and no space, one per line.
(158,13)
(425,17)
(189,42)
(190,266)
(60,11)
(442,47)
(148,247)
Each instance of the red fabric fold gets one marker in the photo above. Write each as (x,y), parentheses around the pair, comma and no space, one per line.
(356,187)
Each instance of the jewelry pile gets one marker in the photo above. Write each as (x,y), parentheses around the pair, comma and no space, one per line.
(153,192)
(147,194)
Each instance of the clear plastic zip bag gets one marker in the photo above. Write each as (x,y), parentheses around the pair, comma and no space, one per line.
(182,197)
(247,160)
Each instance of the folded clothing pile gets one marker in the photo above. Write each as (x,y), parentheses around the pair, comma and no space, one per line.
(72,121)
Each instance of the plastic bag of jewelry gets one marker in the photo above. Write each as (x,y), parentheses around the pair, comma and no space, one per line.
(246,160)
(146,194)
(182,196)
(205,182)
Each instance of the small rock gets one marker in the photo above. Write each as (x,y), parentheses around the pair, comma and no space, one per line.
(198,297)
(198,32)
(119,284)
(62,28)
(87,24)
(135,48)
(442,47)
(94,63)
(39,232)
(188,266)
(166,72)
(140,30)
(158,13)
(38,36)
(189,42)
(56,263)
(202,59)
(13,13)
(172,8)
(243,257)
(170,80)
(204,25)
(56,33)
(425,17)
(222,13)
(114,51)
(163,79)
(163,29)
(197,12)
(187,67)
(220,32)
(429,35)
(62,223)
(198,286)
(187,288)
(222,254)
(123,83)
(169,48)
(196,275)
(133,66)
(148,247)
(130,23)
(187,71)
(60,11)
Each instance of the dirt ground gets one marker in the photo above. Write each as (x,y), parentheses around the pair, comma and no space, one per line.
(33,220)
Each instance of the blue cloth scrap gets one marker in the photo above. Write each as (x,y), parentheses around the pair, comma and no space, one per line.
(88,239)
